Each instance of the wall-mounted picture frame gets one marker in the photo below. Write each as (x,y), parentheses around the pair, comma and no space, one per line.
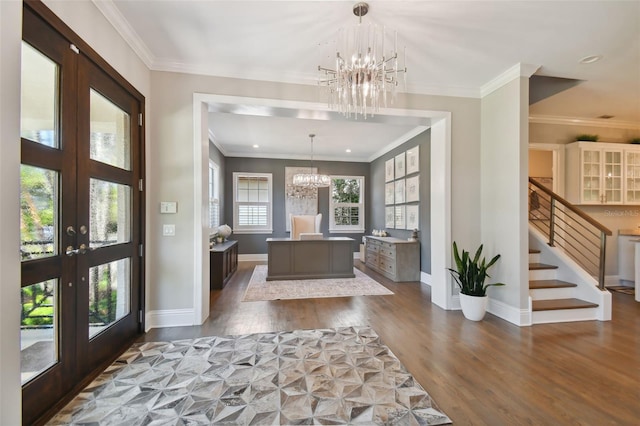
(389,192)
(413,217)
(389,217)
(388,170)
(399,191)
(413,160)
(400,165)
(412,189)
(400,217)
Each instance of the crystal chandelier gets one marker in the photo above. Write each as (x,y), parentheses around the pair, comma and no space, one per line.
(311,179)
(364,75)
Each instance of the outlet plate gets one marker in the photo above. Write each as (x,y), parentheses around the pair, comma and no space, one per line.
(168,230)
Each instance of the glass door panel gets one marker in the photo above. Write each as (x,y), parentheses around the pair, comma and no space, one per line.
(38,328)
(110,129)
(39,189)
(109,213)
(613,176)
(109,294)
(39,100)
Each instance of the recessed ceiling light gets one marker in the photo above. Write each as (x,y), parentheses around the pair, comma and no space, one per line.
(590,59)
(347,150)
(256,146)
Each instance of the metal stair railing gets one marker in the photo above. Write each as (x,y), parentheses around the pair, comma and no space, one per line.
(581,237)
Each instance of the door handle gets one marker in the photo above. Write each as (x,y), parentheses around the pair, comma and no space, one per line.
(80,250)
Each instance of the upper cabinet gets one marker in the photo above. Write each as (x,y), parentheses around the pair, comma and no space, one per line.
(602,173)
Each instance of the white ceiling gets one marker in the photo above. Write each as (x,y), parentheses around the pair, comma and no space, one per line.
(453,48)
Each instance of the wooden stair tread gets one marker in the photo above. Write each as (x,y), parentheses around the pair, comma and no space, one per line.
(556,304)
(534,251)
(536,266)
(535,284)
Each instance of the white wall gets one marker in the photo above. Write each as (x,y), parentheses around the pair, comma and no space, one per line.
(10,39)
(89,23)
(503,205)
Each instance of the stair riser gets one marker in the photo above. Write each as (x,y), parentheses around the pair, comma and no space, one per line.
(552,293)
(542,274)
(564,315)
(534,257)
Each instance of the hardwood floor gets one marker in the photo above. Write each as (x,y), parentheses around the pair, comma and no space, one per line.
(486,373)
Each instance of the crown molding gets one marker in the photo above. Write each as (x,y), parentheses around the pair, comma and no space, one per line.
(516,71)
(578,121)
(396,143)
(121,25)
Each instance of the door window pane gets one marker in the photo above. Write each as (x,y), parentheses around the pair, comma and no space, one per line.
(109,294)
(109,213)
(38,212)
(110,132)
(38,328)
(39,98)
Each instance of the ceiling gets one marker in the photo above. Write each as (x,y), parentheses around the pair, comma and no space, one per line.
(454,48)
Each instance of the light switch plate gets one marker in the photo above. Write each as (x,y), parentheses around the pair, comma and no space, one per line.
(168,230)
(168,207)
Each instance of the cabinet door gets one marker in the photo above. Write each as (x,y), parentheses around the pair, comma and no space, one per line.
(632,172)
(612,177)
(591,176)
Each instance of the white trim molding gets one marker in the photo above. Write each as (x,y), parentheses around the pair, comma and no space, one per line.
(578,121)
(516,71)
(169,318)
(257,257)
(520,317)
(425,278)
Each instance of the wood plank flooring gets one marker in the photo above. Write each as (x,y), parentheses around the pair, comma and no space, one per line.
(486,373)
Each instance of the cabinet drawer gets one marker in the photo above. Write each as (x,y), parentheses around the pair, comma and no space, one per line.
(387,266)
(388,252)
(371,258)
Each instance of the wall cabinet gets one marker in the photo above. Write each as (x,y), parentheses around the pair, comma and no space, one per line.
(223,262)
(396,259)
(602,173)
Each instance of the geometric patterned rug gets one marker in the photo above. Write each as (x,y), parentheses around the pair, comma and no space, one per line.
(261,289)
(325,376)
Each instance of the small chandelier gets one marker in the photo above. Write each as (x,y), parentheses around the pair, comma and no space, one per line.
(311,179)
(364,75)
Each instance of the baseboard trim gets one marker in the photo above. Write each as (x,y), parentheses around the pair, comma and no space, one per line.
(169,318)
(520,317)
(257,257)
(426,278)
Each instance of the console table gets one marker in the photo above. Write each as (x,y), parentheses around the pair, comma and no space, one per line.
(310,259)
(398,260)
(223,262)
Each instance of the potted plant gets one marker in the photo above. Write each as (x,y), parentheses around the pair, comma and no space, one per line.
(470,275)
(587,138)
(635,141)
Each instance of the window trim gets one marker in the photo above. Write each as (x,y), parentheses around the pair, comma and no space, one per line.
(237,229)
(213,166)
(347,229)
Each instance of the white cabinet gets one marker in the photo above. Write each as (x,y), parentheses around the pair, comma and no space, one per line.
(632,176)
(595,173)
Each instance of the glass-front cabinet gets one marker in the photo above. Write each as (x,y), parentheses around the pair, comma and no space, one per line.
(632,180)
(596,173)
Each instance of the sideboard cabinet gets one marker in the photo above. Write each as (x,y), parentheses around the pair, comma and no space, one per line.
(223,263)
(396,259)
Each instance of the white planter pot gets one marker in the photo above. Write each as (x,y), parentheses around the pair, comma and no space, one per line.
(473,307)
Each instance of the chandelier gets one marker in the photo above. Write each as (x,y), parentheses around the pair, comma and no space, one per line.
(311,179)
(364,75)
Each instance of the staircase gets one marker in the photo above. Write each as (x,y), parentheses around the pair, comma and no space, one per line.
(566,260)
(552,299)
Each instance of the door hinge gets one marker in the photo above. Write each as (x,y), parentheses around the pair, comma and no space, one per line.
(141,250)
(140,316)
(141,185)
(74,48)
(140,119)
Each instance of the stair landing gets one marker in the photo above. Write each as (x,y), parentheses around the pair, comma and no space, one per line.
(558,304)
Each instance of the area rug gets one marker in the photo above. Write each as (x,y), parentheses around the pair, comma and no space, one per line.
(261,289)
(326,376)
(622,289)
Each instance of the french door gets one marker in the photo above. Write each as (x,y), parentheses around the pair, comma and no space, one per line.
(81,214)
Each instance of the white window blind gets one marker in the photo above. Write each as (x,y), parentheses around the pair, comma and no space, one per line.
(214,197)
(252,202)
(346,204)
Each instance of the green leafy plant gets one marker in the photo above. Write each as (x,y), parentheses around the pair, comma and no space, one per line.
(470,273)
(635,141)
(589,138)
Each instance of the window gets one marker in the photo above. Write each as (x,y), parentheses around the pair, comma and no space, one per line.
(214,196)
(346,204)
(252,210)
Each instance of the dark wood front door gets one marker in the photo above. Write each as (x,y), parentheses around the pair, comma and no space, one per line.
(81,213)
